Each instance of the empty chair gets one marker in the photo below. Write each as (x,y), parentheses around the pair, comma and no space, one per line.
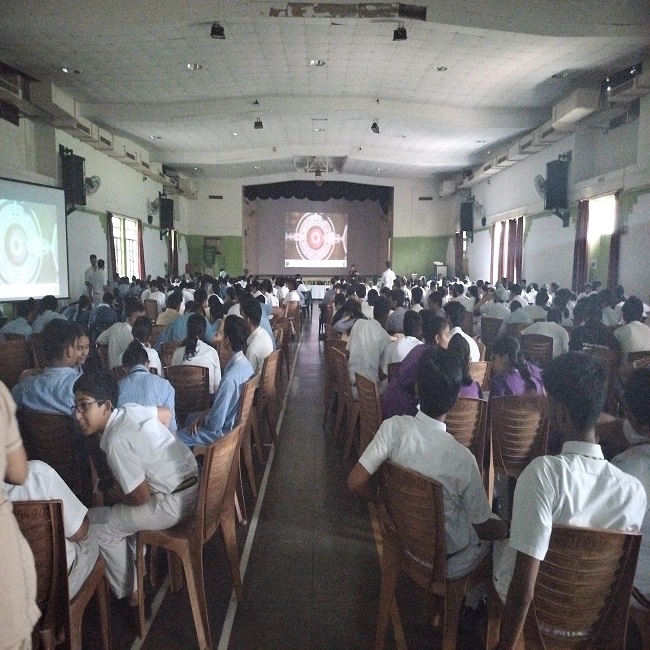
(347,412)
(167,350)
(480,372)
(537,348)
(14,358)
(582,591)
(266,408)
(489,333)
(415,544)
(151,309)
(192,389)
(41,523)
(370,418)
(186,539)
(466,422)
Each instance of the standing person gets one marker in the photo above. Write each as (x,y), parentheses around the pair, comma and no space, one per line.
(98,283)
(388,277)
(18,610)
(88,276)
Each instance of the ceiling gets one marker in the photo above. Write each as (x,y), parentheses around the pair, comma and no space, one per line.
(500,58)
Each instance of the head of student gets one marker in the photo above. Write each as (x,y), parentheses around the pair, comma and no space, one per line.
(632,309)
(235,332)
(412,324)
(251,311)
(435,329)
(439,377)
(95,397)
(59,338)
(455,312)
(135,355)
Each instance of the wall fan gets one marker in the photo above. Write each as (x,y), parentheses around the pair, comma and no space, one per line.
(93,183)
(540,185)
(154,206)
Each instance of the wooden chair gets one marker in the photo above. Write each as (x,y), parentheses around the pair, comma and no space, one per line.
(331,333)
(489,333)
(284,324)
(167,350)
(611,360)
(41,523)
(331,384)
(10,336)
(515,329)
(537,348)
(581,594)
(186,539)
(468,323)
(265,405)
(119,372)
(636,357)
(102,353)
(245,418)
(191,384)
(156,331)
(54,439)
(151,309)
(414,505)
(481,348)
(14,358)
(292,313)
(347,408)
(370,417)
(392,369)
(480,372)
(278,335)
(466,422)
(38,353)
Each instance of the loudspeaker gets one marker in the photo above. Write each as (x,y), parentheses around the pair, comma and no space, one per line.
(467,216)
(73,179)
(557,179)
(166,213)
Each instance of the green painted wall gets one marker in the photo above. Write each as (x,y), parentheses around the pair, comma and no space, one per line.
(230,258)
(417,254)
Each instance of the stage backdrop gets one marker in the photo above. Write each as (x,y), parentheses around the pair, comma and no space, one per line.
(286,232)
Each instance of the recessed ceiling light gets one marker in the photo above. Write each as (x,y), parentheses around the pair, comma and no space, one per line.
(256,167)
(196,169)
(194,66)
(70,71)
(481,141)
(319,129)
(155,137)
(380,169)
(317,63)
(234,134)
(440,68)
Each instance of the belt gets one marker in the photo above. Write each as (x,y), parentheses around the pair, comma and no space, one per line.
(187,483)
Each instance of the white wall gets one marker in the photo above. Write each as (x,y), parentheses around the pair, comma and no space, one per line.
(634,273)
(479,255)
(548,251)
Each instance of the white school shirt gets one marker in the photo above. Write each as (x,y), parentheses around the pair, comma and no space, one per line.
(207,357)
(633,337)
(258,346)
(397,350)
(118,337)
(367,346)
(558,333)
(474,352)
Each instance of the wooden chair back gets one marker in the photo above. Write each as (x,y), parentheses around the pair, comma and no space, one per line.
(330,332)
(519,429)
(537,348)
(639,359)
(490,332)
(392,369)
(102,353)
(330,388)
(167,350)
(370,417)
(54,439)
(156,331)
(480,372)
(611,359)
(348,407)
(267,407)
(292,312)
(225,353)
(14,358)
(481,348)
(245,418)
(246,400)
(38,353)
(515,329)
(268,385)
(583,589)
(466,422)
(329,313)
(191,384)
(151,309)
(10,336)
(468,323)
(337,344)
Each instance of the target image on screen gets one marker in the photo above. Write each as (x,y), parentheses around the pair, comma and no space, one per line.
(316,240)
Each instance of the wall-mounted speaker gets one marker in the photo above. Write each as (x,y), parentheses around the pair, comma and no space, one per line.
(166,213)
(73,179)
(467,216)
(557,180)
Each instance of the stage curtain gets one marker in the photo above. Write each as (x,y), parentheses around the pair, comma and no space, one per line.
(581,250)
(510,254)
(615,247)
(111,249)
(502,251)
(141,252)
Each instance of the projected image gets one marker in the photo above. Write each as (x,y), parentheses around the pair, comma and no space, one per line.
(316,240)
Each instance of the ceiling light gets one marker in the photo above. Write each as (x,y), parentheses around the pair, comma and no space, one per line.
(256,167)
(234,134)
(196,169)
(440,68)
(375,127)
(155,137)
(70,71)
(380,169)
(258,124)
(317,63)
(319,129)
(194,66)
(217,31)
(400,33)
(481,141)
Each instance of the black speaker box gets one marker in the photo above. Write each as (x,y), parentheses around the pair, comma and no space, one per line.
(467,216)
(557,180)
(73,179)
(166,213)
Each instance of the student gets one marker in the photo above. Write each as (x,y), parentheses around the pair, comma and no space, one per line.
(259,343)
(578,487)
(468,387)
(82,347)
(141,332)
(157,474)
(511,373)
(119,335)
(421,443)
(455,313)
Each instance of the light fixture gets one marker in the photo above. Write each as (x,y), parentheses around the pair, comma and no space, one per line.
(70,71)
(234,134)
(400,33)
(318,177)
(440,68)
(256,167)
(155,137)
(317,63)
(380,169)
(217,31)
(258,124)
(194,66)
(375,127)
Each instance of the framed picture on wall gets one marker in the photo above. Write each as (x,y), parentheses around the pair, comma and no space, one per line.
(213,242)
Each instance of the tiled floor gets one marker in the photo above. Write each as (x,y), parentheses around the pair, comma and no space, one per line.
(312,580)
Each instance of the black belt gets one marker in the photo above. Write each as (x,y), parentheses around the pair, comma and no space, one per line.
(187,483)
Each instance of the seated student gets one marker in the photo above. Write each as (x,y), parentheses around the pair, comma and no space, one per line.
(468,387)
(493,304)
(119,335)
(416,299)
(158,295)
(578,487)
(82,347)
(398,349)
(537,311)
(455,313)
(141,332)
(174,302)
(206,428)
(339,302)
(511,373)
(143,387)
(400,397)
(259,343)
(351,314)
(434,303)
(395,321)
(42,484)
(48,312)
(634,336)
(551,327)
(517,315)
(157,474)
(592,333)
(51,390)
(23,323)
(421,443)
(177,329)
(102,316)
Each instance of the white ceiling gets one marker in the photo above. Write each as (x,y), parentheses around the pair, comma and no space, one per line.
(500,57)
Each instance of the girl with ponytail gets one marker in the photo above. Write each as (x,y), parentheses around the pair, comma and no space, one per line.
(511,373)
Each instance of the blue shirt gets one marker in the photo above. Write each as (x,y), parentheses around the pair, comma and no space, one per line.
(43,319)
(223,414)
(18,326)
(177,331)
(144,388)
(48,392)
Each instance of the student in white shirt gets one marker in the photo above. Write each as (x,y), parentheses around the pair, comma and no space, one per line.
(634,336)
(119,335)
(259,343)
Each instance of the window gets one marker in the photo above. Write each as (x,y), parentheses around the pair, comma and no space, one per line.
(125,239)
(507,249)
(602,218)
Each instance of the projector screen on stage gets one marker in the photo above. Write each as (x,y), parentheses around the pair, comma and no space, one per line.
(33,248)
(315,240)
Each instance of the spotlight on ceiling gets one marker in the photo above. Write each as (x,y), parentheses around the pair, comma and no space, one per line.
(217,31)
(400,33)
(375,127)
(318,177)
(258,124)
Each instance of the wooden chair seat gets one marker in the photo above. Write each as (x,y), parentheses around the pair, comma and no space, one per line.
(537,348)
(191,384)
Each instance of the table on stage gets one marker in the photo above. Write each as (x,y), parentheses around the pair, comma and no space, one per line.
(317,290)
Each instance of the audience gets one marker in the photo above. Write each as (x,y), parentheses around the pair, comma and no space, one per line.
(259,343)
(468,387)
(119,335)
(455,313)
(511,373)
(551,327)
(48,312)
(591,334)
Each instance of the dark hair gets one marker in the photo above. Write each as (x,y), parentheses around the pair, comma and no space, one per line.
(372,296)
(82,304)
(541,299)
(514,305)
(80,330)
(49,303)
(195,332)
(416,296)
(439,377)
(632,309)
(435,297)
(508,346)
(141,329)
(108,298)
(132,306)
(397,296)
(216,307)
(236,331)
(455,313)
(360,289)
(100,384)
(381,307)
(412,323)
(134,355)
(251,309)
(460,347)
(339,300)
(174,300)
(432,326)
(579,382)
(637,395)
(554,315)
(57,336)
(25,307)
